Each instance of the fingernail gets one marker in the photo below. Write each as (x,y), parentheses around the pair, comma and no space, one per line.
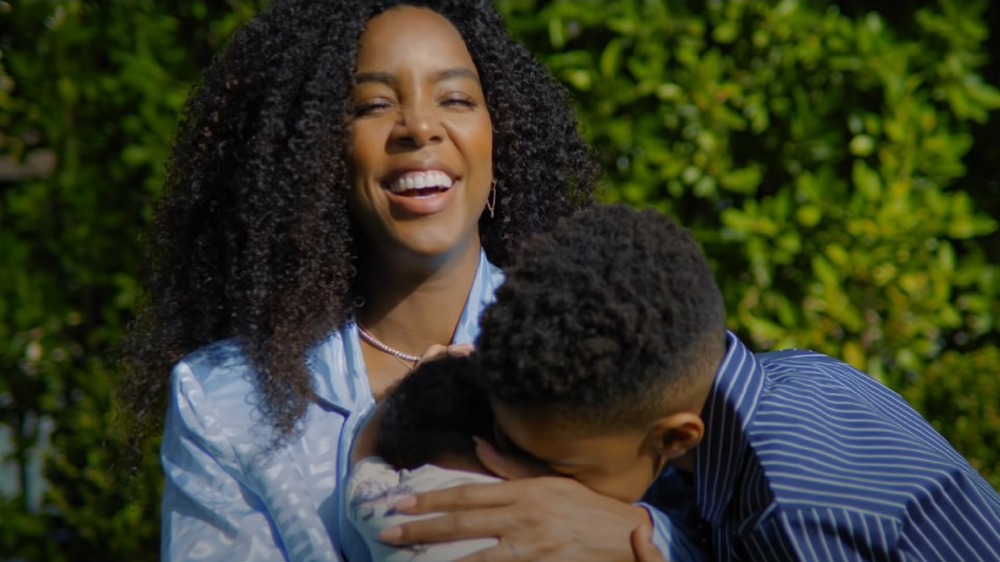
(405,503)
(391,534)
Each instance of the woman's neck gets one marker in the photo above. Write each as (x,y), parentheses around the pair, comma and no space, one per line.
(411,304)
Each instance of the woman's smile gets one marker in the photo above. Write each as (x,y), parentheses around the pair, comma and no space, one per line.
(420,192)
(420,182)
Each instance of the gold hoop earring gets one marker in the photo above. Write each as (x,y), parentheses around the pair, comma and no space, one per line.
(491,201)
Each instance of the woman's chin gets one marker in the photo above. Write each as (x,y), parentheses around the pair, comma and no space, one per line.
(435,237)
(438,249)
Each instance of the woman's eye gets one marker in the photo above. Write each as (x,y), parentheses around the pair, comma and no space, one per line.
(458,102)
(369,107)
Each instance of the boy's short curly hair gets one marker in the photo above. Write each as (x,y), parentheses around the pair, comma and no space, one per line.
(600,317)
(434,411)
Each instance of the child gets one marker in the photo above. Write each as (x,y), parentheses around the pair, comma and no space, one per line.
(420,439)
(606,357)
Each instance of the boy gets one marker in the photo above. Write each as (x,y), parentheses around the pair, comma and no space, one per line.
(421,438)
(606,357)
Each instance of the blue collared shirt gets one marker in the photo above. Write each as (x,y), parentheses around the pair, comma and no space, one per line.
(225,499)
(806,458)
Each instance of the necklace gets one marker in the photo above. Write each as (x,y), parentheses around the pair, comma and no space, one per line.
(374,342)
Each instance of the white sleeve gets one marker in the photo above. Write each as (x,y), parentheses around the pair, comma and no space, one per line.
(373,487)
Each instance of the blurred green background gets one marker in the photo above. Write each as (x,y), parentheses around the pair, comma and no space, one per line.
(837,160)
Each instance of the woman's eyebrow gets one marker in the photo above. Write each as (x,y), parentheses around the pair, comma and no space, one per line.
(390,79)
(460,72)
(380,77)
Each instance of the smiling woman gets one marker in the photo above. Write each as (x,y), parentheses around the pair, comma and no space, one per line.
(346,176)
(420,164)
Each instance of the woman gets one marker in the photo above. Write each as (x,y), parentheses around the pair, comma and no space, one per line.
(341,174)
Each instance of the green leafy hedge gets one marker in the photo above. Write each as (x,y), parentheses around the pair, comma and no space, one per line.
(90,94)
(817,152)
(960,394)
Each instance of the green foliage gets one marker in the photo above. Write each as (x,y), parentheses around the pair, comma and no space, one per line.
(960,393)
(813,153)
(816,152)
(90,94)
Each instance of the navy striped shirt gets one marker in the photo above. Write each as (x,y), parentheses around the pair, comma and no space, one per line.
(806,458)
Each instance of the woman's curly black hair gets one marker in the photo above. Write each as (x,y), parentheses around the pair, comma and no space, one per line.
(252,239)
(600,315)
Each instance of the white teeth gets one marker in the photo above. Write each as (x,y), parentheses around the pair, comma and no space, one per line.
(420,180)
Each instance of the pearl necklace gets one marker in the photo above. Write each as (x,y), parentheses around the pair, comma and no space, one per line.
(374,342)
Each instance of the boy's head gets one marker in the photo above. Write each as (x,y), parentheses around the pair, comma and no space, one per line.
(432,416)
(602,346)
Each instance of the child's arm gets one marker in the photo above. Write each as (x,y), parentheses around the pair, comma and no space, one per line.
(372,490)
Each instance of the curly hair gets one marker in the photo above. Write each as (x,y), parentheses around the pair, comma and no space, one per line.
(253,239)
(434,411)
(598,316)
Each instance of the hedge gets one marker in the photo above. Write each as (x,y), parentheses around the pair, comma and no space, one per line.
(818,150)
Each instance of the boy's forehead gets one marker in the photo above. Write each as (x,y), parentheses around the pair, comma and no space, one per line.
(558,441)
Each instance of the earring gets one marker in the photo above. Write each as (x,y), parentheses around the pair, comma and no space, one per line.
(492,200)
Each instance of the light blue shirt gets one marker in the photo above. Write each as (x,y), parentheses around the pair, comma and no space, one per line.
(226,498)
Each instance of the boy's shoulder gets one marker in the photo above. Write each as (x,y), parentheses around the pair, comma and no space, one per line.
(787,359)
(826,434)
(788,371)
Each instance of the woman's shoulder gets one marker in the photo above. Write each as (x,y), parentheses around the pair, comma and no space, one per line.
(225,353)
(212,388)
(223,367)
(222,362)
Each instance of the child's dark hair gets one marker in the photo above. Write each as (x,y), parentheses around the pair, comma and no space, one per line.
(434,411)
(600,317)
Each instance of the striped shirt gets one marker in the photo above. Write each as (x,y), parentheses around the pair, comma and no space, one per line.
(806,458)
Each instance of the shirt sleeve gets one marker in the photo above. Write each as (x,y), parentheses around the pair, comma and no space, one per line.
(958,521)
(678,532)
(374,487)
(674,543)
(208,513)
(824,533)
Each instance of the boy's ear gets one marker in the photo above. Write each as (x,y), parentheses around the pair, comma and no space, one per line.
(675,434)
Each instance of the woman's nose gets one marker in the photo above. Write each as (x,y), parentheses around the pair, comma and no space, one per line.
(418,125)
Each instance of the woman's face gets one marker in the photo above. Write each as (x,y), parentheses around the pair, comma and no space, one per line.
(421,150)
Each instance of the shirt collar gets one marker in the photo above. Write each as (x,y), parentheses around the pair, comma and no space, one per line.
(337,366)
(727,412)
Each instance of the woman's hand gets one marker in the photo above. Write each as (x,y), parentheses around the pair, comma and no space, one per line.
(535,518)
(438,351)
(547,518)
